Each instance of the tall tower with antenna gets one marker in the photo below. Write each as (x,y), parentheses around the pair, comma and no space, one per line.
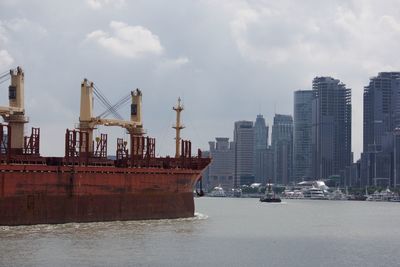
(178,127)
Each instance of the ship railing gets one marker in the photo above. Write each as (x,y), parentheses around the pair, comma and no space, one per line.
(194,163)
(5,142)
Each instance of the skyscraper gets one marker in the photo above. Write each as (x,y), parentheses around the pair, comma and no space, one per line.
(260,149)
(396,157)
(381,117)
(221,168)
(282,145)
(381,107)
(243,137)
(331,130)
(302,126)
(260,133)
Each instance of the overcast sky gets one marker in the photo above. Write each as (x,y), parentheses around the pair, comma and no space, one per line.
(228,60)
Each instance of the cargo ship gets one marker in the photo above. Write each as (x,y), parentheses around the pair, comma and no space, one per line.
(85,185)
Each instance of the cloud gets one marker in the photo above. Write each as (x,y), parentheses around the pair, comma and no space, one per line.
(3,35)
(349,40)
(279,33)
(14,30)
(14,34)
(127,41)
(5,60)
(173,63)
(181,61)
(23,25)
(98,4)
(271,35)
(168,66)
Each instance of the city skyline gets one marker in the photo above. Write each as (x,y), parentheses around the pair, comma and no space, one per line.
(316,144)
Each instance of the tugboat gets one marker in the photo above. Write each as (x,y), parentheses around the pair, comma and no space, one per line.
(270,196)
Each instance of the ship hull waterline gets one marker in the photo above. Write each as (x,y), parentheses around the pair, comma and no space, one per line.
(52,195)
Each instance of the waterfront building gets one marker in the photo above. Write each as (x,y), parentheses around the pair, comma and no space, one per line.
(302,126)
(221,169)
(264,165)
(205,173)
(282,145)
(331,127)
(269,164)
(381,117)
(260,149)
(243,137)
(350,176)
(396,157)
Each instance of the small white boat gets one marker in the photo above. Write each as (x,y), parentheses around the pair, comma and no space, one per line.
(217,191)
(395,198)
(384,195)
(314,193)
(295,194)
(338,195)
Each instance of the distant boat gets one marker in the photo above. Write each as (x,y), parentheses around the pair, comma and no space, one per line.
(338,195)
(237,192)
(293,194)
(270,196)
(357,197)
(314,193)
(395,198)
(384,195)
(217,191)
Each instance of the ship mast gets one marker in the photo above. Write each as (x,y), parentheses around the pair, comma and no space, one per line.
(178,127)
(14,114)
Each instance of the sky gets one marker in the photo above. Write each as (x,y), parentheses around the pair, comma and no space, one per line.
(228,60)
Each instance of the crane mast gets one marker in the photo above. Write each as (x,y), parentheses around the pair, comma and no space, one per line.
(178,127)
(14,114)
(88,122)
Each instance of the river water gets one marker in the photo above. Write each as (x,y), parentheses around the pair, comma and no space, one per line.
(225,232)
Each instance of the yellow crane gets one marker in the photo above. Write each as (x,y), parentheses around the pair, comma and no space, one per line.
(14,114)
(88,122)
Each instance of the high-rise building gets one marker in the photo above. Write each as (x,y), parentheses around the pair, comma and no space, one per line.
(331,127)
(381,117)
(381,107)
(243,137)
(396,157)
(260,133)
(268,156)
(302,126)
(282,145)
(221,168)
(260,149)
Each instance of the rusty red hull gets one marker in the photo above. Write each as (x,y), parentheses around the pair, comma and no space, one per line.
(40,194)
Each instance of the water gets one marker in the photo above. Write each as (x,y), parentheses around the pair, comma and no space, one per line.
(225,232)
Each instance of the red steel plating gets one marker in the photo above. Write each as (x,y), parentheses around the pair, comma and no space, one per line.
(87,188)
